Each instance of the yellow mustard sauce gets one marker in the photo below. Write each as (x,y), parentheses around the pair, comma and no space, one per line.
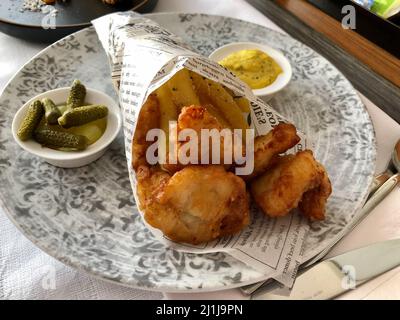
(254,67)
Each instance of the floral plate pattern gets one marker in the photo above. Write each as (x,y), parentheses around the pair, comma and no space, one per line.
(87,217)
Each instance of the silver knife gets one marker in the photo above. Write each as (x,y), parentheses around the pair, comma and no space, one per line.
(332,277)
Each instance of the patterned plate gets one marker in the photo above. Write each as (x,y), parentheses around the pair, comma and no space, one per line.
(87,217)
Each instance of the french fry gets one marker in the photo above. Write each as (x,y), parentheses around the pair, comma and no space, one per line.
(218,115)
(168,112)
(205,100)
(243,104)
(201,88)
(230,110)
(182,91)
(224,102)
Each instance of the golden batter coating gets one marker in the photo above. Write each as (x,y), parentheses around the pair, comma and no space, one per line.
(198,118)
(197,204)
(149,118)
(294,179)
(266,148)
(313,203)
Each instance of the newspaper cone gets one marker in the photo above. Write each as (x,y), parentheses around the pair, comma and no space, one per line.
(144,56)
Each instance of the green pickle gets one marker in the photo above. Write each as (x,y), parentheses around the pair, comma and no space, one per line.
(52,113)
(71,126)
(82,115)
(31,121)
(59,139)
(44,125)
(77,95)
(93,131)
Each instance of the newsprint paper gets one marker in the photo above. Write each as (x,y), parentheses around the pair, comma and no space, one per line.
(143,56)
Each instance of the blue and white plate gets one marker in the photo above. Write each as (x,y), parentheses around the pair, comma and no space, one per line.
(87,217)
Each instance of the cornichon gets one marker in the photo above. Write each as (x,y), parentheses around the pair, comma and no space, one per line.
(60,139)
(31,121)
(52,113)
(82,115)
(77,95)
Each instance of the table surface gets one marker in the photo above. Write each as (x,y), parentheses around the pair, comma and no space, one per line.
(28,273)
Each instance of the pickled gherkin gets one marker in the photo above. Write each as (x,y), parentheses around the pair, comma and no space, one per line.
(31,121)
(77,95)
(70,126)
(60,139)
(82,115)
(52,113)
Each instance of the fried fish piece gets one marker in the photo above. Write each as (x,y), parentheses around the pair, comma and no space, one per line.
(268,147)
(151,181)
(296,178)
(198,118)
(313,203)
(195,205)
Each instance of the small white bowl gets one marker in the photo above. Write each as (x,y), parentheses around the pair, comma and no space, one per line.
(72,159)
(281,81)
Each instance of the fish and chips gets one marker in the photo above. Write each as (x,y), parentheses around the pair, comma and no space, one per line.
(199,201)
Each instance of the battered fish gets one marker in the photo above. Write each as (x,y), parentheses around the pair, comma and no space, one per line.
(197,204)
(313,203)
(268,147)
(294,180)
(198,118)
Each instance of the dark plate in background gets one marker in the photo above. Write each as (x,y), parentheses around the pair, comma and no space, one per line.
(72,16)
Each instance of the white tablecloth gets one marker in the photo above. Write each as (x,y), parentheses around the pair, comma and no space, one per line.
(28,273)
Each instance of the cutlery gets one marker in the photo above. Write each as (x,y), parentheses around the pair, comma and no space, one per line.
(392,167)
(339,274)
(382,185)
(374,199)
